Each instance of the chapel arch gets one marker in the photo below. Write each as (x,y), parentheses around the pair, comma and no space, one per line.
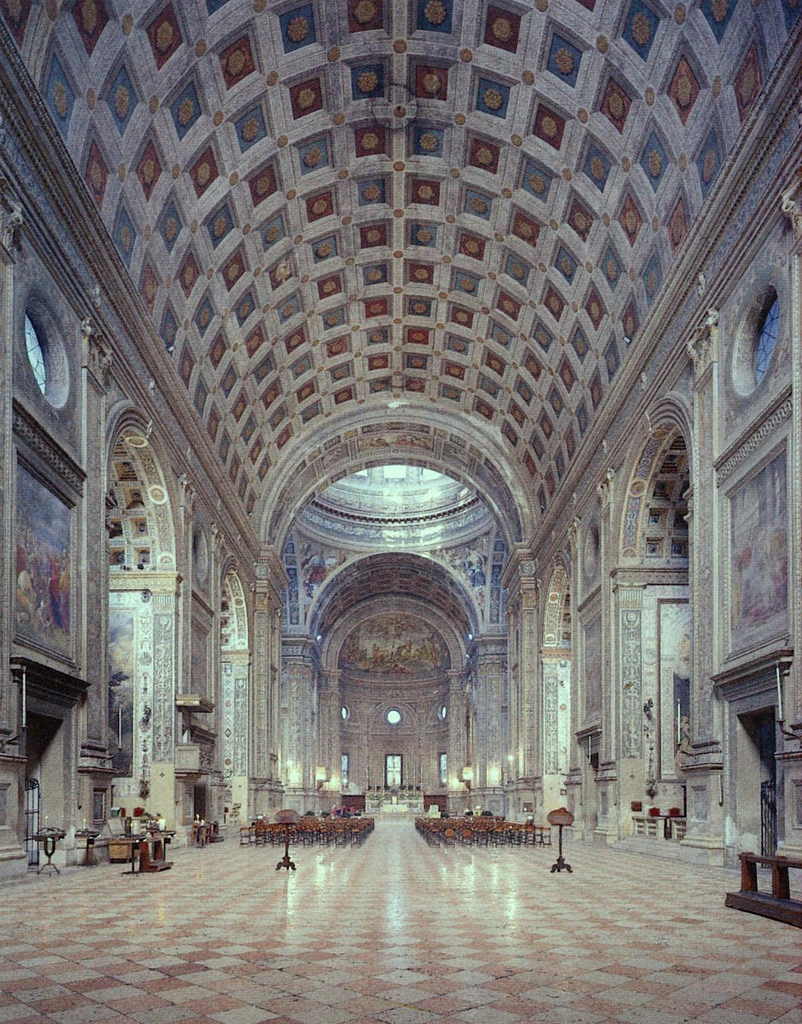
(143,621)
(426,443)
(653,611)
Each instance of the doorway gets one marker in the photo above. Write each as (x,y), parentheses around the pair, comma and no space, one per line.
(757,781)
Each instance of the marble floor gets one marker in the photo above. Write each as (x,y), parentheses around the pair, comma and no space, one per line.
(395,932)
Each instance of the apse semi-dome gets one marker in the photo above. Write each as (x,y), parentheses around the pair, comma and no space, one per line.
(391,646)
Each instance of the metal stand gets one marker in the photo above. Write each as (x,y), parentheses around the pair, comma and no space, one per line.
(285,861)
(49,838)
(560,864)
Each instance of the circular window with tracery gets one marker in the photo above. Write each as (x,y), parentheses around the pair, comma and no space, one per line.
(393,716)
(755,342)
(47,360)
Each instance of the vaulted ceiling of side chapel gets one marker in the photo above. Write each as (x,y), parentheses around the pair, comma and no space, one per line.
(305,249)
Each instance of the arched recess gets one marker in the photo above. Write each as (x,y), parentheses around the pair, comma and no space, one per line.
(391,575)
(385,441)
(652,600)
(143,620)
(235,714)
(408,621)
(396,656)
(556,667)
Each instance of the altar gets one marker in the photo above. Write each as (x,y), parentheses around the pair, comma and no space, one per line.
(380,804)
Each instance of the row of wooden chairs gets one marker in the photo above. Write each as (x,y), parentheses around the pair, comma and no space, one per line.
(308,832)
(481,832)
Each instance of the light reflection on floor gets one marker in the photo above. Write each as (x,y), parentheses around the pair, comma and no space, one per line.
(395,932)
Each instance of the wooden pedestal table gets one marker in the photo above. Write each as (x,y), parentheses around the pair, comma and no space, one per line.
(287,818)
(561,818)
(132,842)
(90,835)
(48,838)
(153,852)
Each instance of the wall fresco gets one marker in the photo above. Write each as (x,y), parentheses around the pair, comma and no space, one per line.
(42,565)
(121,689)
(759,555)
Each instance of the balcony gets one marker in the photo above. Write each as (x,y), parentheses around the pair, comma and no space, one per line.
(187,760)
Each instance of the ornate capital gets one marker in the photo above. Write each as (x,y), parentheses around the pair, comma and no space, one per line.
(792,209)
(11,219)
(186,494)
(703,346)
(605,488)
(97,353)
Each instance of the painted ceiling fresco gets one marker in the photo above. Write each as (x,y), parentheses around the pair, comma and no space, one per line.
(329,205)
(474,560)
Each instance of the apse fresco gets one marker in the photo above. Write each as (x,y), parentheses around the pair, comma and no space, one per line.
(121,689)
(42,565)
(394,645)
(759,546)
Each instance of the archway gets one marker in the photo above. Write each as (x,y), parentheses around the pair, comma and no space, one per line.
(652,600)
(143,626)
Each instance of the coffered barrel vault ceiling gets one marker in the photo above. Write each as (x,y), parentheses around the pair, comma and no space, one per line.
(346,202)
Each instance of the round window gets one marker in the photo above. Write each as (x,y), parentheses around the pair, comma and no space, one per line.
(344,713)
(393,716)
(443,712)
(36,356)
(766,340)
(755,342)
(47,359)
(200,555)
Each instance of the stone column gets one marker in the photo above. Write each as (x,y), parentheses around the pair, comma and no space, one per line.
(265,698)
(489,655)
(703,767)
(575,754)
(457,739)
(96,365)
(298,704)
(607,776)
(13,858)
(235,703)
(329,745)
(636,725)
(556,718)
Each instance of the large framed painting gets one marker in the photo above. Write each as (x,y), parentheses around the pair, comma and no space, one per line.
(759,556)
(394,646)
(593,670)
(121,689)
(43,566)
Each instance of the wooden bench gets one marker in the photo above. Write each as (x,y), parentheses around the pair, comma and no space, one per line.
(777,905)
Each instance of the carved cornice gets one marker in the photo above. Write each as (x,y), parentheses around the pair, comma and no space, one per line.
(38,441)
(744,447)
